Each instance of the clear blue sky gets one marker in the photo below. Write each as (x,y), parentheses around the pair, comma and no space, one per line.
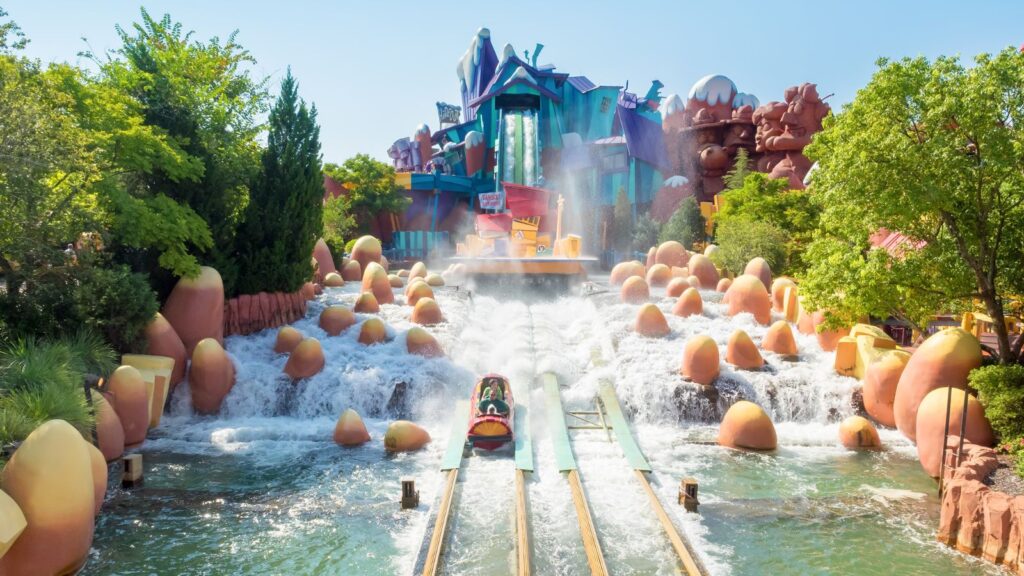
(375,68)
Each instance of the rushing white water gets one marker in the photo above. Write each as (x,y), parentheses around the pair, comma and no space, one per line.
(261,488)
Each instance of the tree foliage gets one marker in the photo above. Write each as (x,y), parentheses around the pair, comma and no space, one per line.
(622,222)
(740,241)
(737,175)
(792,211)
(932,150)
(284,216)
(686,225)
(371,188)
(339,223)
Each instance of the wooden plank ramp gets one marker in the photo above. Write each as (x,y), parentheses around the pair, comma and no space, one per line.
(524,464)
(429,558)
(637,461)
(566,463)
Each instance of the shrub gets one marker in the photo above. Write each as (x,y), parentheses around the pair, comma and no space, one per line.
(686,225)
(740,241)
(350,245)
(645,233)
(117,304)
(1001,391)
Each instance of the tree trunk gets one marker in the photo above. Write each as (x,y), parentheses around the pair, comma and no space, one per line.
(994,307)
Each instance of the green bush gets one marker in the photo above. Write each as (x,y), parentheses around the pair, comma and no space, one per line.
(740,241)
(117,304)
(686,225)
(1001,391)
(350,245)
(645,233)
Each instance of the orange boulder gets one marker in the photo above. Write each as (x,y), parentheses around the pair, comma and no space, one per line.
(333,280)
(700,360)
(350,430)
(405,436)
(635,291)
(375,279)
(427,312)
(366,304)
(418,290)
(688,304)
(694,281)
(671,254)
(704,269)
(659,275)
(162,340)
(210,376)
(419,341)
(747,425)
(779,339)
(336,319)
(944,359)
(856,433)
(723,285)
(366,250)
(287,339)
(396,281)
(676,287)
(109,430)
(624,270)
(352,271)
(748,294)
(131,402)
(306,360)
(373,331)
(759,267)
(931,417)
(651,257)
(418,270)
(779,286)
(195,308)
(880,380)
(99,475)
(324,258)
(434,280)
(651,322)
(742,353)
(50,478)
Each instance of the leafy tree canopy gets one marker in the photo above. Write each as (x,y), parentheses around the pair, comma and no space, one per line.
(932,150)
(686,225)
(371,188)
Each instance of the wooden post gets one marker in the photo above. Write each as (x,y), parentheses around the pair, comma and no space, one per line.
(410,495)
(688,494)
(558,221)
(131,471)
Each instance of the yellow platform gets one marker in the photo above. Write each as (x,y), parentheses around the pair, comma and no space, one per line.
(524,266)
(156,373)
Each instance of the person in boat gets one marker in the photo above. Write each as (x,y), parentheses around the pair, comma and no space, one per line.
(491,402)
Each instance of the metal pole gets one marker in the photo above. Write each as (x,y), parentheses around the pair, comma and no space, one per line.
(963,427)
(945,439)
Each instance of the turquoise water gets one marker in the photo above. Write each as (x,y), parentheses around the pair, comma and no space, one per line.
(261,489)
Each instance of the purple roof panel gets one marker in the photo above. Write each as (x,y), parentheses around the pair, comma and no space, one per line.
(582,84)
(644,138)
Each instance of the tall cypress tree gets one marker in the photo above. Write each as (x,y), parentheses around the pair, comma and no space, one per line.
(284,215)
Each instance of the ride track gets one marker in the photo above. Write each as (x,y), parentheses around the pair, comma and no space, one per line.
(428,561)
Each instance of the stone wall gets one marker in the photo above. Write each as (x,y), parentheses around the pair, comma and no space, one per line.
(976,519)
(250,313)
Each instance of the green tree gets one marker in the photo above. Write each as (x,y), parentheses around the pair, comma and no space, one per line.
(793,211)
(622,222)
(339,223)
(371,188)
(737,175)
(204,98)
(740,241)
(284,215)
(686,225)
(645,232)
(932,150)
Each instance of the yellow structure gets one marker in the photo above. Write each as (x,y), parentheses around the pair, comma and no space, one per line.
(156,373)
(864,345)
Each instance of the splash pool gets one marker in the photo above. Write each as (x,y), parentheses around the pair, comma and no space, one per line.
(262,489)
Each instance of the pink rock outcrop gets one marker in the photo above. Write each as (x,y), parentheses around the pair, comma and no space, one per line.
(195,308)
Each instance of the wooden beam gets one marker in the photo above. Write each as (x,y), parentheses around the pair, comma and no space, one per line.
(591,545)
(690,565)
(522,527)
(441,525)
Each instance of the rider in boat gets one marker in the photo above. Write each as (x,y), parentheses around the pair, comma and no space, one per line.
(491,401)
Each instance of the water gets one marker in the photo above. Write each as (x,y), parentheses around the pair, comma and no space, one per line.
(262,489)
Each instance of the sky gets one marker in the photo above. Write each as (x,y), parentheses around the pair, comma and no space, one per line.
(375,68)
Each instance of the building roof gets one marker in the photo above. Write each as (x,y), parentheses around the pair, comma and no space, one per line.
(525,75)
(644,138)
(581,83)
